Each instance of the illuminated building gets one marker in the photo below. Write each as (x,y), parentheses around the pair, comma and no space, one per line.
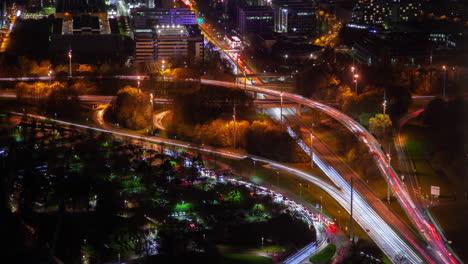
(256,19)
(380,11)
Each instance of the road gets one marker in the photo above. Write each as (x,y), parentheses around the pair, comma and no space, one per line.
(157,119)
(343,173)
(385,237)
(440,253)
(439,250)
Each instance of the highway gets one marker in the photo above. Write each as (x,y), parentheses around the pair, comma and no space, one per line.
(440,252)
(384,236)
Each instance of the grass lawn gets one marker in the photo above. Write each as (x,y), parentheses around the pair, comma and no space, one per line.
(452,219)
(264,249)
(324,255)
(245,259)
(417,148)
(451,213)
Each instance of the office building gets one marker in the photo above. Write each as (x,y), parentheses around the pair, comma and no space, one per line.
(168,41)
(150,17)
(379,11)
(256,19)
(295,17)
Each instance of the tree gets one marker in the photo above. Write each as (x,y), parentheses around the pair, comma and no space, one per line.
(380,124)
(399,99)
(210,103)
(132,108)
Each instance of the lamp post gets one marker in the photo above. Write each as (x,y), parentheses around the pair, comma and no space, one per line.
(281,109)
(163,68)
(70,62)
(356,76)
(300,190)
(321,203)
(245,81)
(311,146)
(445,76)
(277,178)
(388,185)
(152,109)
(339,218)
(50,76)
(384,104)
(138,81)
(234,120)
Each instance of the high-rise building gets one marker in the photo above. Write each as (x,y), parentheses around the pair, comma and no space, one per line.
(162,33)
(168,41)
(2,14)
(149,17)
(380,11)
(295,17)
(256,19)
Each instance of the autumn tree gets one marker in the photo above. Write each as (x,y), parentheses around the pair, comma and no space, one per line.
(132,108)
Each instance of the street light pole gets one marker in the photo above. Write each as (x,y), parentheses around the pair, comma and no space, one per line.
(384,104)
(356,76)
(311,147)
(138,82)
(235,132)
(152,108)
(70,62)
(245,81)
(388,184)
(277,178)
(281,109)
(50,76)
(321,203)
(300,190)
(445,73)
(163,68)
(339,218)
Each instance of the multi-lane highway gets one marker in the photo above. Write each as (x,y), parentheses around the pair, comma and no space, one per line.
(365,216)
(439,249)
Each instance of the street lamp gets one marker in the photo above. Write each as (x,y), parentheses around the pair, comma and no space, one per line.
(70,62)
(50,76)
(339,218)
(245,81)
(356,76)
(445,73)
(163,68)
(234,119)
(281,109)
(138,81)
(300,190)
(388,184)
(152,108)
(277,178)
(311,147)
(321,204)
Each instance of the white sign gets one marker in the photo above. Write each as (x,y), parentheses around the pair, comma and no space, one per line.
(435,190)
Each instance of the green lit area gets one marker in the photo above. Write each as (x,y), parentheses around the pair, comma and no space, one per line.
(183,207)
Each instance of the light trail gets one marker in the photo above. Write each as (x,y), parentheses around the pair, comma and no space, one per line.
(364,215)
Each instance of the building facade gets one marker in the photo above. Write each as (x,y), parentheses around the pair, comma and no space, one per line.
(256,19)
(149,17)
(295,17)
(379,11)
